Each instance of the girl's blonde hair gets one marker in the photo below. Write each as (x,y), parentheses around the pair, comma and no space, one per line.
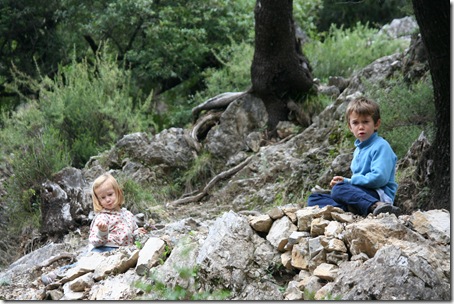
(363,107)
(106,178)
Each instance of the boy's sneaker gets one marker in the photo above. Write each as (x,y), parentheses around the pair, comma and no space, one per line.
(381,207)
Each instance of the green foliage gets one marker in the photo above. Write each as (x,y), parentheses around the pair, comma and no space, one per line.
(138,244)
(187,286)
(89,105)
(136,193)
(310,296)
(344,51)
(34,151)
(350,12)
(307,15)
(406,111)
(164,42)
(158,290)
(28,34)
(233,76)
(201,171)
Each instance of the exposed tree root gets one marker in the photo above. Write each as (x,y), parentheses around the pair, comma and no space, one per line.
(53,259)
(203,125)
(216,102)
(214,181)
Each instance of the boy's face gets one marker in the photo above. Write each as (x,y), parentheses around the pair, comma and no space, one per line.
(106,196)
(362,126)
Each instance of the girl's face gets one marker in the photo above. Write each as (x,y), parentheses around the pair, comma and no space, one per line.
(107,196)
(362,126)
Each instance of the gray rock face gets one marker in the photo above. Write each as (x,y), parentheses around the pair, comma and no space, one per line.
(237,127)
(391,275)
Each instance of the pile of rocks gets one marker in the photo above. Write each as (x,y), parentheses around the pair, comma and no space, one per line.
(288,253)
(320,242)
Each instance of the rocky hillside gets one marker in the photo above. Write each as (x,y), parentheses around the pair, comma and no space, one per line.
(245,234)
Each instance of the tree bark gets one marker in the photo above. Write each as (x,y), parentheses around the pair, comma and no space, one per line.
(433,18)
(279,70)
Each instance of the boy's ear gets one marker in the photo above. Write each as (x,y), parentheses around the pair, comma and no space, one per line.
(377,124)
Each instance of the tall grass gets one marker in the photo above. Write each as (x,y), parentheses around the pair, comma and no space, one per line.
(340,52)
(406,111)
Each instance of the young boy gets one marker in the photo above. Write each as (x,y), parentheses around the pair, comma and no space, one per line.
(372,186)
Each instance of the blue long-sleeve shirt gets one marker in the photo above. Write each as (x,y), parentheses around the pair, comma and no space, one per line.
(374,166)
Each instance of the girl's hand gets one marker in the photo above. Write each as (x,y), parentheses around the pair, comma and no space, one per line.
(103,226)
(335,180)
(142,230)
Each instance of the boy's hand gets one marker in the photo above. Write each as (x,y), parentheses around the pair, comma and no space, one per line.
(335,180)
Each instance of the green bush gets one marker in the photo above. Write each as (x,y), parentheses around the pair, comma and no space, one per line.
(307,15)
(89,104)
(138,197)
(35,151)
(202,170)
(350,12)
(235,74)
(406,111)
(343,51)
(80,113)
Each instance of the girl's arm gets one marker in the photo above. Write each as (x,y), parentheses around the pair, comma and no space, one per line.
(98,237)
(136,230)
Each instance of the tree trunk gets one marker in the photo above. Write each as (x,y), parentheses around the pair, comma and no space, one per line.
(433,19)
(279,70)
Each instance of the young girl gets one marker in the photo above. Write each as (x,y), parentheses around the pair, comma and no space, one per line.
(112,226)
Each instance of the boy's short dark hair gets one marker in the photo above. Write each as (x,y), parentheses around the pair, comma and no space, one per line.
(363,106)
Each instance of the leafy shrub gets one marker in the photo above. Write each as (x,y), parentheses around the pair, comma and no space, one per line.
(138,197)
(307,15)
(34,151)
(235,74)
(203,168)
(343,51)
(80,113)
(350,12)
(90,106)
(406,111)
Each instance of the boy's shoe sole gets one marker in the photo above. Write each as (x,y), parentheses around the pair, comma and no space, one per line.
(385,207)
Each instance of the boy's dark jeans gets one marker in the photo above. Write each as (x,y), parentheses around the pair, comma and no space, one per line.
(344,195)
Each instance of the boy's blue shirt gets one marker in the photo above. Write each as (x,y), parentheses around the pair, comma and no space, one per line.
(374,165)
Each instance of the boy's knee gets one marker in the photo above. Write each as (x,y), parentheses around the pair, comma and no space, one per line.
(312,200)
(337,190)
